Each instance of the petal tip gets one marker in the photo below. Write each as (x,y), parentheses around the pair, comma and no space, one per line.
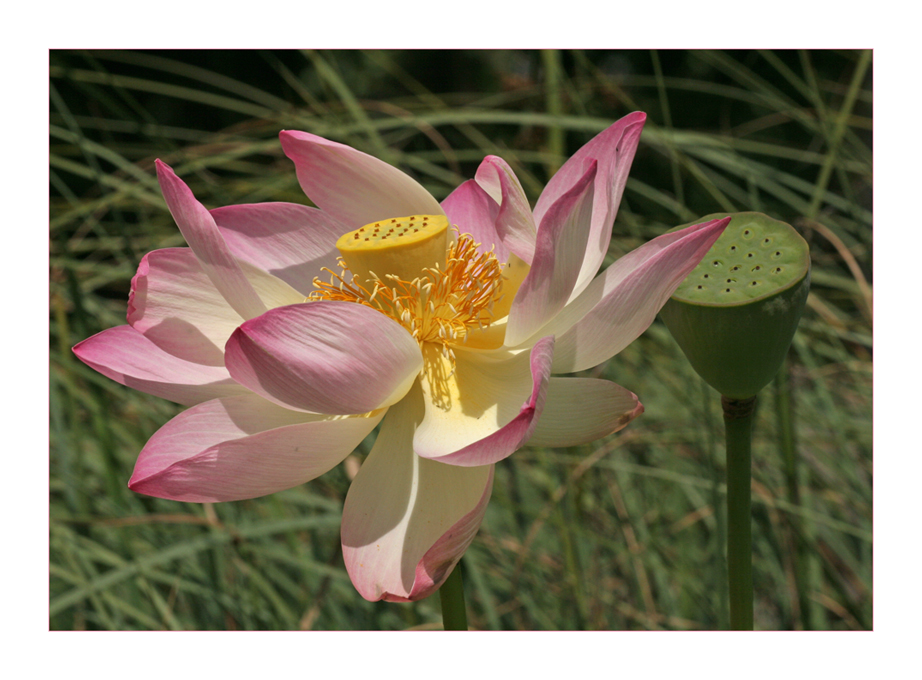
(162,167)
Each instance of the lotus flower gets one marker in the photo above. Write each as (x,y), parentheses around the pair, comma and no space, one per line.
(292,331)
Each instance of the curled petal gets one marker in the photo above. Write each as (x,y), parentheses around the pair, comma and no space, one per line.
(290,241)
(515,225)
(622,302)
(614,150)
(176,306)
(352,186)
(484,411)
(581,410)
(559,252)
(325,357)
(242,447)
(201,233)
(407,521)
(472,210)
(127,357)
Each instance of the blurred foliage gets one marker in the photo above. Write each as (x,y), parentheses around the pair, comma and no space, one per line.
(624,533)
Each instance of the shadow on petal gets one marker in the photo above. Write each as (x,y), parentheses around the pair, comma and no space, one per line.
(407,520)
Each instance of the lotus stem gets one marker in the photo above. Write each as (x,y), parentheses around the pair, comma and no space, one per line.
(738,425)
(454,615)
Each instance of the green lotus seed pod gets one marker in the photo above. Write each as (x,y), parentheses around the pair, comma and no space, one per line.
(735,314)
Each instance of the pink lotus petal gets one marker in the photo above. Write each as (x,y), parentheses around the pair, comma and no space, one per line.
(559,253)
(199,229)
(175,305)
(242,447)
(353,187)
(622,302)
(473,212)
(581,410)
(325,357)
(127,357)
(407,520)
(498,408)
(614,150)
(514,222)
(290,241)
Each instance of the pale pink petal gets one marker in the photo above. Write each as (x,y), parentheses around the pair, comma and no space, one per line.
(487,409)
(581,410)
(199,229)
(614,150)
(472,211)
(242,447)
(290,241)
(127,357)
(325,357)
(352,186)
(514,222)
(175,305)
(559,253)
(622,302)
(407,521)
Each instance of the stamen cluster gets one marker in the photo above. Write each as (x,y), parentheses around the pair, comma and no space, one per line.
(440,306)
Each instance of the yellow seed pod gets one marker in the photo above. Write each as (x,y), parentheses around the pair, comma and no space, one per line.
(398,246)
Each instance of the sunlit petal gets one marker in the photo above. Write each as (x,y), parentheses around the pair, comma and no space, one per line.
(408,520)
(353,187)
(486,409)
(242,447)
(127,357)
(325,357)
(201,233)
(559,253)
(613,149)
(290,241)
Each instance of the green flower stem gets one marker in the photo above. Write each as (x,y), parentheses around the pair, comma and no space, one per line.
(454,616)
(738,424)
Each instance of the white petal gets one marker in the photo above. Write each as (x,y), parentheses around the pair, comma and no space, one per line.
(407,520)
(486,409)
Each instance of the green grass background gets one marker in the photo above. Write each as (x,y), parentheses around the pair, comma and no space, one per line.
(624,533)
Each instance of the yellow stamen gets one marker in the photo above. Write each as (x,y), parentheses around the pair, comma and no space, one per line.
(439,290)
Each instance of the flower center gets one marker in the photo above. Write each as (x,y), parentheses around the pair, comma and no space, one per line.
(407,269)
(401,247)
